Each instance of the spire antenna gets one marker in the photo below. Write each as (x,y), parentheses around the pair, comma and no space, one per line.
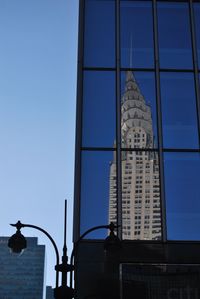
(131,50)
(65,227)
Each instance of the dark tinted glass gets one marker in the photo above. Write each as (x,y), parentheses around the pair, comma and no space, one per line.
(138,111)
(96,188)
(141,214)
(179,110)
(197,27)
(174,35)
(136,34)
(99,119)
(99,37)
(163,281)
(182,172)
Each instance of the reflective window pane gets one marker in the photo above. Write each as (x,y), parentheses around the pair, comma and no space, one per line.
(197,28)
(141,213)
(174,35)
(161,281)
(99,118)
(182,188)
(98,184)
(136,34)
(179,110)
(99,35)
(138,112)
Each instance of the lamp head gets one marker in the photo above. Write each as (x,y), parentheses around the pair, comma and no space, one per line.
(17,242)
(112,243)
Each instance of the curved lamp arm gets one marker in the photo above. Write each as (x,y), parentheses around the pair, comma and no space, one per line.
(111,227)
(20,225)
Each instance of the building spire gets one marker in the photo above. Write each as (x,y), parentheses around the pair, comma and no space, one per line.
(129,77)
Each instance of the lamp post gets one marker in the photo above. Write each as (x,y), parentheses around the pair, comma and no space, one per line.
(17,243)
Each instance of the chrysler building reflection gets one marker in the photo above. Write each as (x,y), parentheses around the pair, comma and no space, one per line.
(141,215)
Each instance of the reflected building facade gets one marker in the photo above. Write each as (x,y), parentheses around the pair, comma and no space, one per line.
(141,216)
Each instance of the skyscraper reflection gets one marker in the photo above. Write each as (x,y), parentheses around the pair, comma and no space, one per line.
(141,216)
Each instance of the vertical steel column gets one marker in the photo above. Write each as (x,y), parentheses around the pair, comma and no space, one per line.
(118,99)
(77,175)
(159,122)
(195,62)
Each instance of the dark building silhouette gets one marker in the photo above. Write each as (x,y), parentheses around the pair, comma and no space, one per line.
(137,148)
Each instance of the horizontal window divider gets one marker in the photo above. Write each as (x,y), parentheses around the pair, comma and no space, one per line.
(184,150)
(168,241)
(176,70)
(109,149)
(139,149)
(185,1)
(137,69)
(140,70)
(99,69)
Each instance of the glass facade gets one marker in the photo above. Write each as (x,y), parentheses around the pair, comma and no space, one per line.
(99,131)
(179,113)
(159,281)
(22,275)
(137,48)
(175,48)
(101,14)
(137,149)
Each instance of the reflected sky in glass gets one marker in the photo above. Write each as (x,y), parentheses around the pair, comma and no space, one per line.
(182,188)
(140,173)
(174,35)
(99,114)
(136,34)
(146,84)
(99,38)
(197,28)
(95,190)
(179,110)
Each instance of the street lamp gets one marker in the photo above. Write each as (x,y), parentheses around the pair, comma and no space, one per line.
(17,243)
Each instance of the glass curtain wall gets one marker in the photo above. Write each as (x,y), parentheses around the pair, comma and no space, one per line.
(98,119)
(138,119)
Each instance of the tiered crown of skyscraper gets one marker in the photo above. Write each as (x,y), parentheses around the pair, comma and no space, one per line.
(135,113)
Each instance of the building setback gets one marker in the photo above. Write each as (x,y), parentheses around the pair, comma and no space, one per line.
(22,276)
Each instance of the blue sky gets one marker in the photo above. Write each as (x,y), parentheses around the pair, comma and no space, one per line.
(38,64)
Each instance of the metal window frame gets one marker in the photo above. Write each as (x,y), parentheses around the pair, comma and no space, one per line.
(118,69)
